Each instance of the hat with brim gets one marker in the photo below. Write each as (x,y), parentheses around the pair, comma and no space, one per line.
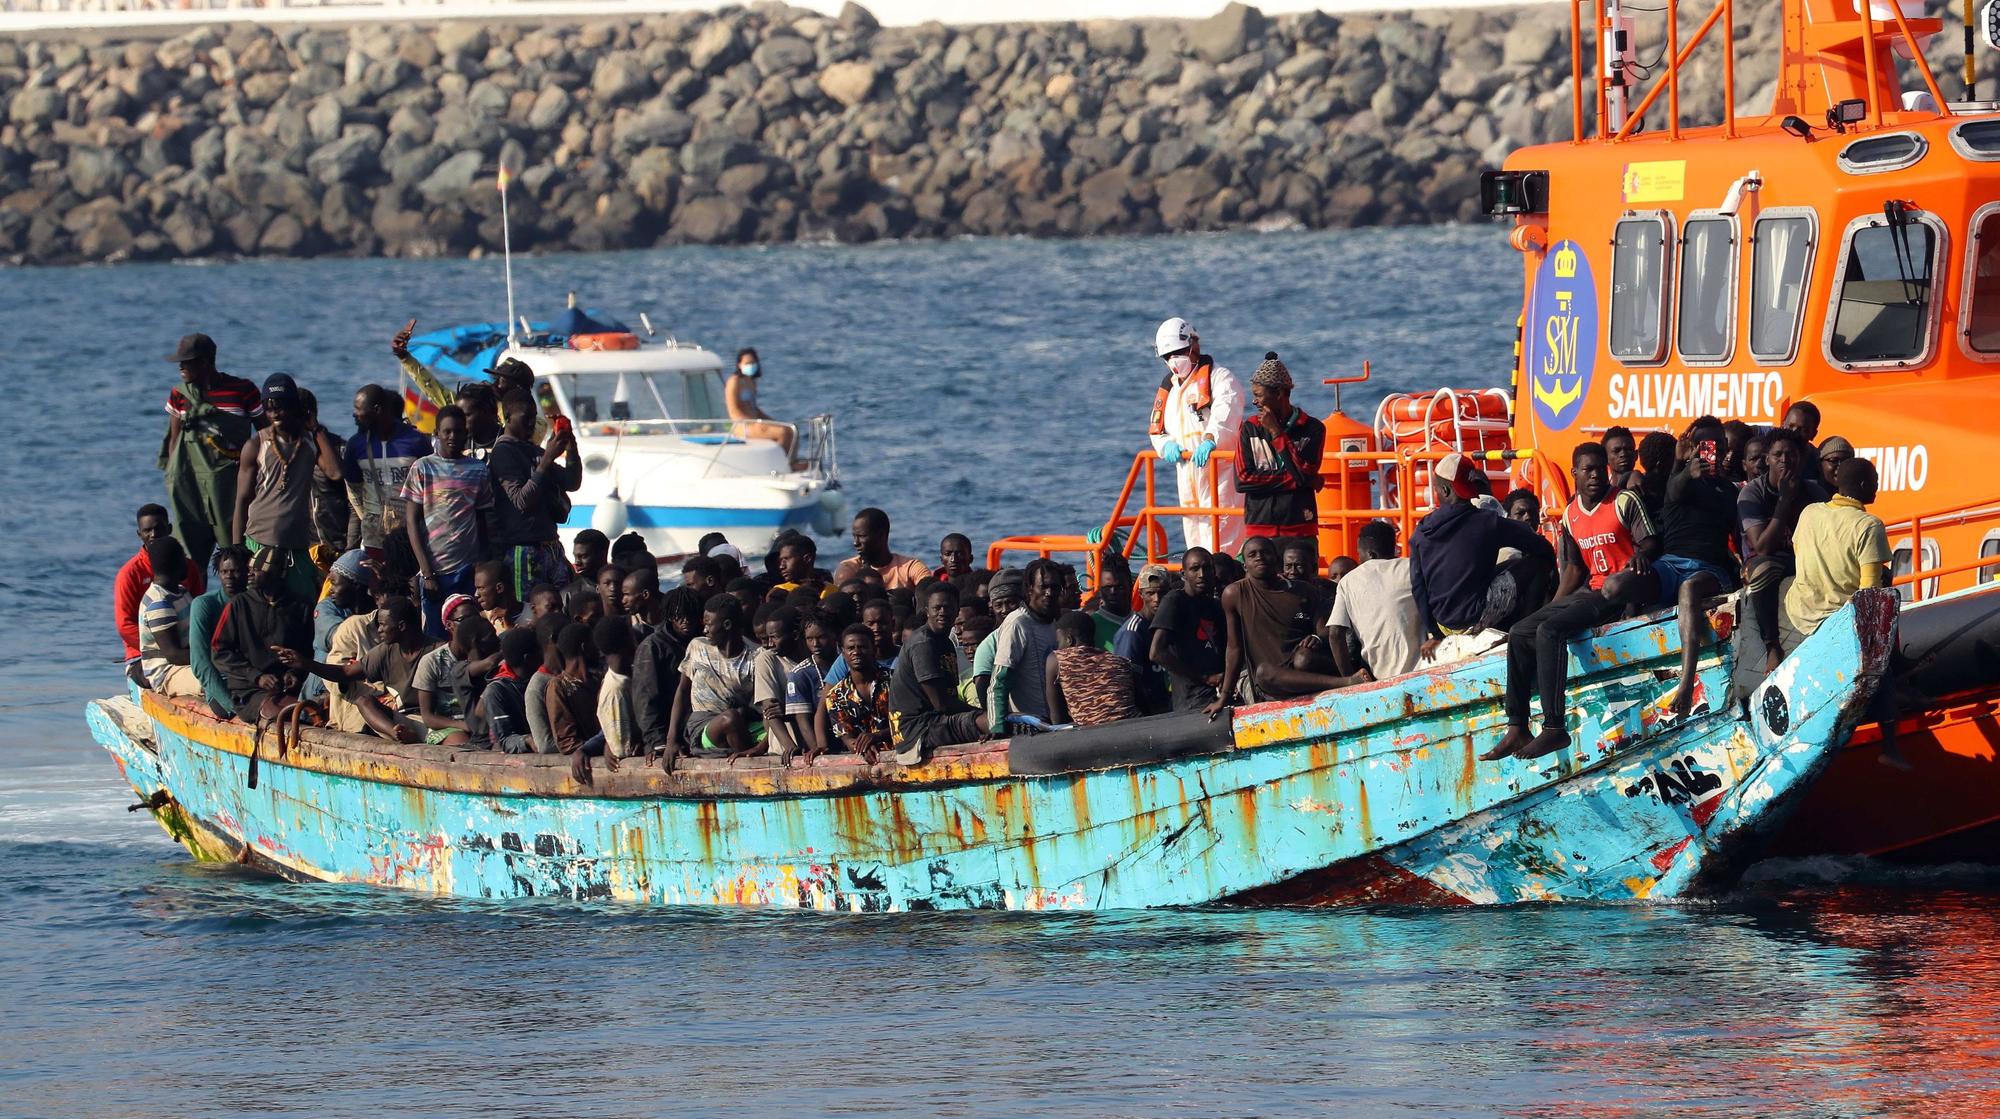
(193,347)
(1153,576)
(279,388)
(1465,477)
(1835,445)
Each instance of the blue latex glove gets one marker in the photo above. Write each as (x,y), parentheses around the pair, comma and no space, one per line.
(1170,452)
(1202,450)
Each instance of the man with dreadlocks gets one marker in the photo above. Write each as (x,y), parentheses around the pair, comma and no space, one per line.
(1277,462)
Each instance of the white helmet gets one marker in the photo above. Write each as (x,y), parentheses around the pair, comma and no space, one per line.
(1174,334)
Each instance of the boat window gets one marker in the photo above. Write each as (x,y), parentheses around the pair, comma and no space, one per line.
(1900,566)
(614,397)
(1982,314)
(1707,305)
(1977,139)
(703,393)
(1882,153)
(1639,289)
(1882,310)
(1781,256)
(1989,548)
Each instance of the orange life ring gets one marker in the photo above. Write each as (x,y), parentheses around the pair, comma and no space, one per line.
(617,340)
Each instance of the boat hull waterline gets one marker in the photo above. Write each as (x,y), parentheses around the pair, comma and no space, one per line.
(1368,794)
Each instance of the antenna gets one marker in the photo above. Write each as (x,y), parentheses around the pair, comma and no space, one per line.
(647,323)
(507,251)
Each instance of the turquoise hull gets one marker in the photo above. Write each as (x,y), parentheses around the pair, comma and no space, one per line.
(1367,794)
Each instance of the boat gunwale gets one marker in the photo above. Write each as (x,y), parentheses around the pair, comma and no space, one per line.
(451,769)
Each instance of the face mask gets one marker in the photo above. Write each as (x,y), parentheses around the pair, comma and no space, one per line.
(748,368)
(1180,365)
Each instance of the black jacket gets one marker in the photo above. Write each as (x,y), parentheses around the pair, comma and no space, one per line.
(1452,556)
(250,628)
(656,672)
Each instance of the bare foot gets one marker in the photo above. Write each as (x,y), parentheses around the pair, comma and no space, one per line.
(1892,756)
(1510,745)
(1773,657)
(1545,743)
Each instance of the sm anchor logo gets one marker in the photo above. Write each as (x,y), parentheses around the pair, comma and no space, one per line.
(1562,336)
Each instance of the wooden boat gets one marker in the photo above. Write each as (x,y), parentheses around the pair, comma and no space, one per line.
(1371,793)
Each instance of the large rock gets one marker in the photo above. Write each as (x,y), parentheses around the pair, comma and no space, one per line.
(783,53)
(451,179)
(716,46)
(849,82)
(710,221)
(347,159)
(94,171)
(462,37)
(35,105)
(1225,34)
(618,77)
(550,108)
(662,127)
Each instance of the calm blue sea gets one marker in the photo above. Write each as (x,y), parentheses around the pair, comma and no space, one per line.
(987,387)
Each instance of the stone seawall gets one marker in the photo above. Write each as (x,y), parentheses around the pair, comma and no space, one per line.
(769,124)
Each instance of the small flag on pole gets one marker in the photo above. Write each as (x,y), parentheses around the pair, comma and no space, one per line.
(504,179)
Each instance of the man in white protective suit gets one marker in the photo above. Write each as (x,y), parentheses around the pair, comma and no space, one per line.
(1198,409)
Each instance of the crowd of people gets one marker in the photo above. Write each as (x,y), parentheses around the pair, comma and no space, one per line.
(415,587)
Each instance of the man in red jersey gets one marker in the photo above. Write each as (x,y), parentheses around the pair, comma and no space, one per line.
(1607,543)
(137,574)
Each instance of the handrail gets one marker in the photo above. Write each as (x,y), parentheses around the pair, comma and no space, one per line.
(1404,499)
(1979,511)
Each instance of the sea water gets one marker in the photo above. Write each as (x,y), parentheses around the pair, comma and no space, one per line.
(989,387)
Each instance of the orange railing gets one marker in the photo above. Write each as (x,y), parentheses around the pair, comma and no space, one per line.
(1677,55)
(1922,581)
(1361,486)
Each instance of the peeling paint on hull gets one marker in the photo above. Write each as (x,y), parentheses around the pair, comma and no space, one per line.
(1357,795)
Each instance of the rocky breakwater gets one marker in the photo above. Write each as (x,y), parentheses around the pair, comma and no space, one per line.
(765,124)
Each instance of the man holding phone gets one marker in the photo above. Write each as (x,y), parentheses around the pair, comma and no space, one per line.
(531,486)
(1698,526)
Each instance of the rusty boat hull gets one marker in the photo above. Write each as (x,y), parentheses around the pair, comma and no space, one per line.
(1368,794)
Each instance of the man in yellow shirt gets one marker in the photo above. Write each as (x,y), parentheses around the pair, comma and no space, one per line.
(1841,548)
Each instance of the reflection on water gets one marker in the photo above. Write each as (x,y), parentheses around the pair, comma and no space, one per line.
(223,992)
(137,983)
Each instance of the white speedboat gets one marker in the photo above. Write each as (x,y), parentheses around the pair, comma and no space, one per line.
(661,456)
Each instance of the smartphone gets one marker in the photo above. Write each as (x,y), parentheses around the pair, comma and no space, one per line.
(1707,449)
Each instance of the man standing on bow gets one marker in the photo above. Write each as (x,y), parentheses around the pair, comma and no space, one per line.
(210,416)
(1198,408)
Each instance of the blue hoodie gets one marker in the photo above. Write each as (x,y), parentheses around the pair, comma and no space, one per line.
(1452,556)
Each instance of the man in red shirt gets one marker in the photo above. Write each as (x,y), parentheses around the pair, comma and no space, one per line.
(210,416)
(1277,462)
(1607,542)
(130,585)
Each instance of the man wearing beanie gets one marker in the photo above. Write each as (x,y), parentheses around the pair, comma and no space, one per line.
(1277,462)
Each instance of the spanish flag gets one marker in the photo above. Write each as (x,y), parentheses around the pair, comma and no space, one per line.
(504,178)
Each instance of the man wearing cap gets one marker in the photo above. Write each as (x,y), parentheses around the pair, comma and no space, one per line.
(1135,639)
(1834,453)
(1197,409)
(274,486)
(1455,549)
(1277,461)
(211,415)
(350,583)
